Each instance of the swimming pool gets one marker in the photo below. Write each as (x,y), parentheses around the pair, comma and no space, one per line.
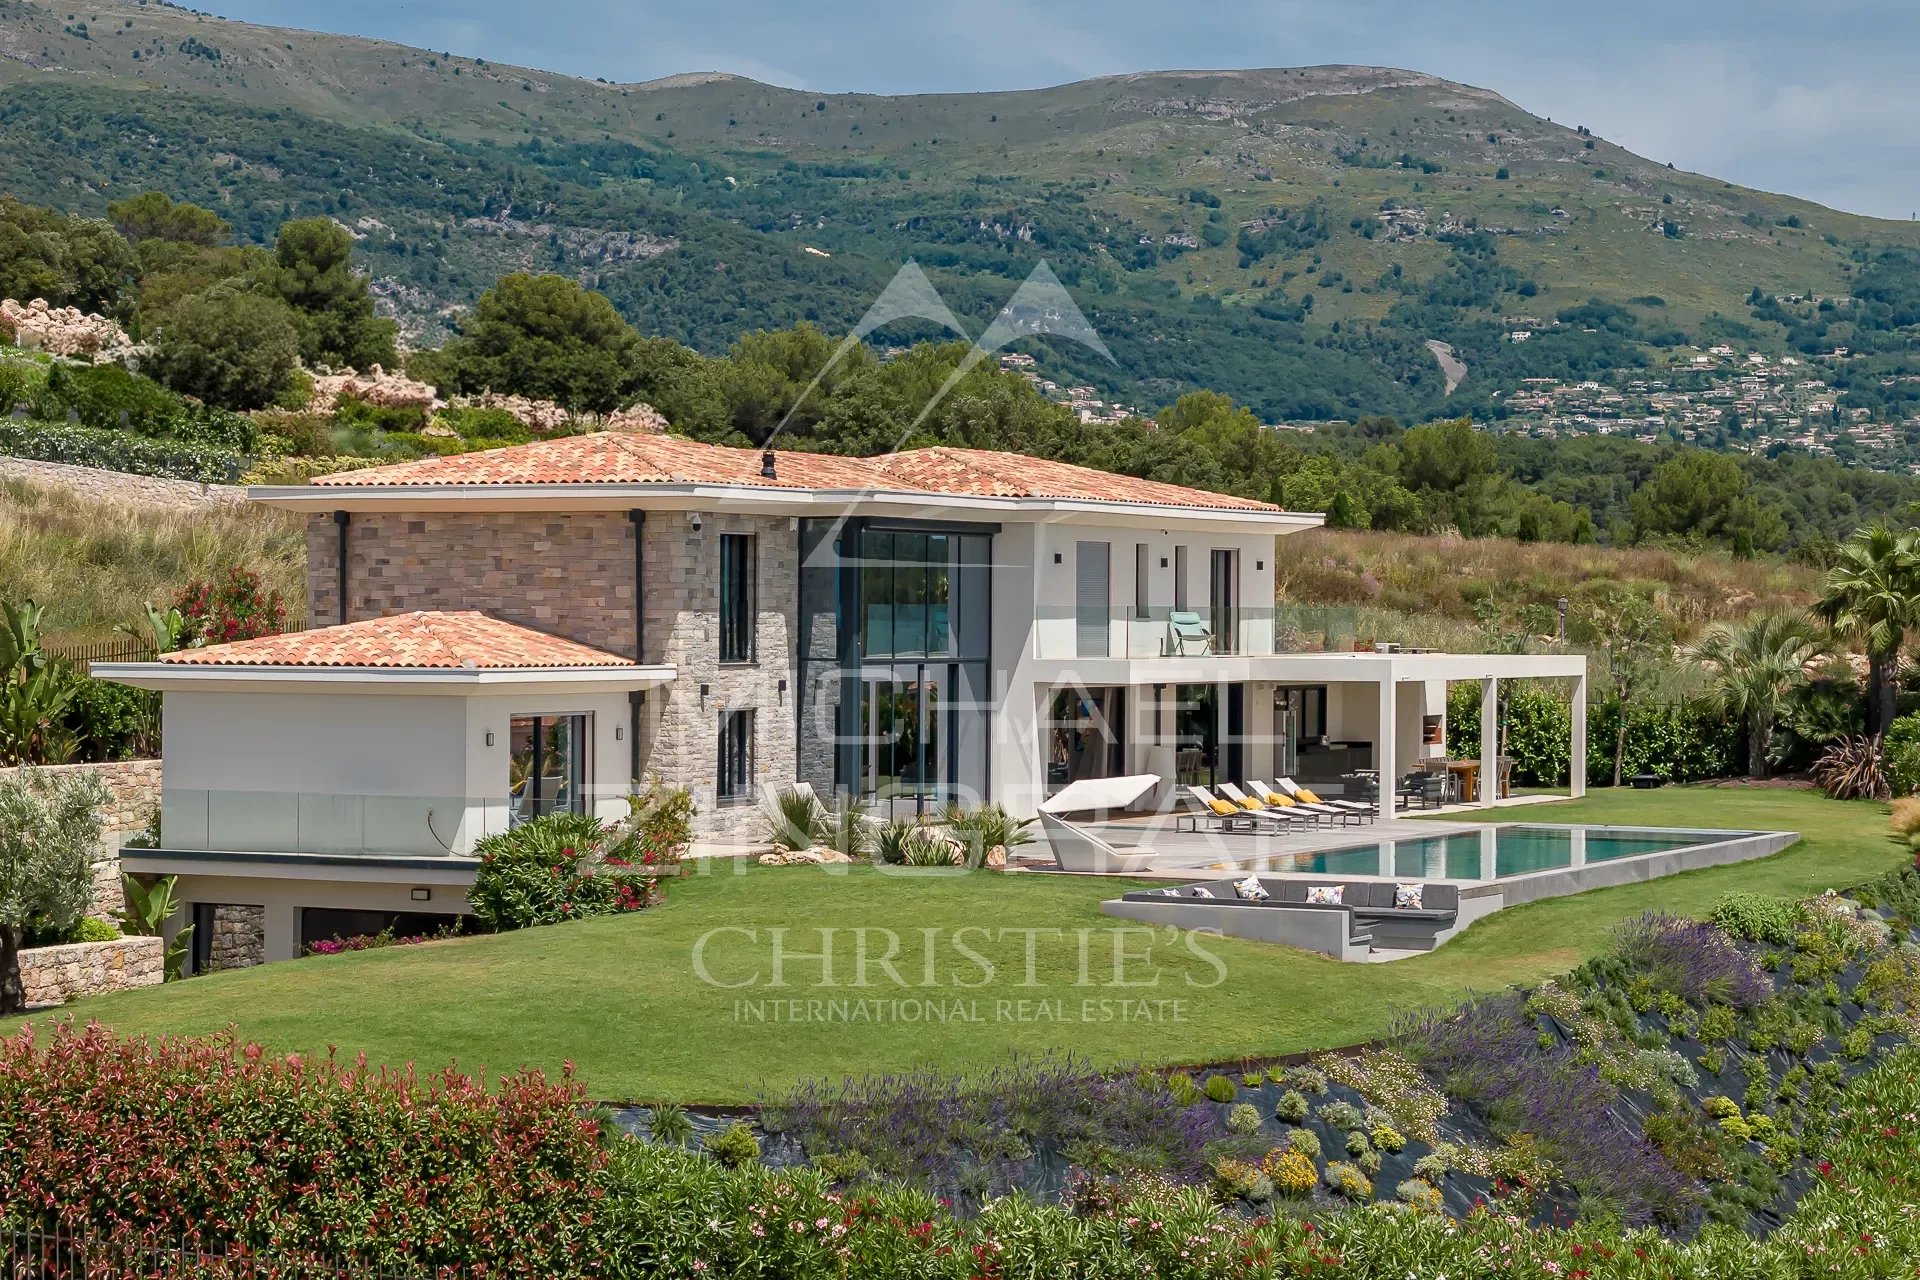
(1491,853)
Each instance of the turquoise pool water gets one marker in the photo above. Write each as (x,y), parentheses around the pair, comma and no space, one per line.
(1493,853)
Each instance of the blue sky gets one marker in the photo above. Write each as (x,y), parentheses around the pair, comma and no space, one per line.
(1814,97)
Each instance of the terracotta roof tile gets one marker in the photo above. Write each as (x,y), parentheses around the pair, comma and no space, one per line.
(452,640)
(610,458)
(944,469)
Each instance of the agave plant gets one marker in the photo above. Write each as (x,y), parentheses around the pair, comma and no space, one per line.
(847,827)
(982,830)
(793,818)
(891,840)
(1851,769)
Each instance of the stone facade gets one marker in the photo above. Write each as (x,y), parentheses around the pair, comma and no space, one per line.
(572,574)
(568,573)
(55,975)
(682,742)
(119,486)
(239,938)
(133,789)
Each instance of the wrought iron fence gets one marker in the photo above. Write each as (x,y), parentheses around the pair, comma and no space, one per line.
(60,1254)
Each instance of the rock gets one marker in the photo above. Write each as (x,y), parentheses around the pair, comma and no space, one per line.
(542,416)
(638,419)
(997,858)
(62,331)
(819,855)
(377,387)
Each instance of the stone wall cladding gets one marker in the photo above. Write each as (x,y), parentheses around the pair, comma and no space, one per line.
(55,975)
(567,573)
(118,486)
(683,631)
(239,938)
(133,788)
(572,574)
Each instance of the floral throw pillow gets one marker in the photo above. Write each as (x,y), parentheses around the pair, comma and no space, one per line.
(1251,889)
(1199,891)
(1406,897)
(1326,895)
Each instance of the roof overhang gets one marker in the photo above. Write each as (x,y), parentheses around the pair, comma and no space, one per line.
(753,499)
(244,678)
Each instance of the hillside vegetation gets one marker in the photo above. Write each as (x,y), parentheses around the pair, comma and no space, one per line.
(94,563)
(1291,237)
(1457,593)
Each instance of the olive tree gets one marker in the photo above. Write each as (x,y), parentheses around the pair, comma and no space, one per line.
(49,831)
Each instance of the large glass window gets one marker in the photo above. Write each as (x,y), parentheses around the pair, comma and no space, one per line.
(734,778)
(547,765)
(912,586)
(1224,600)
(736,597)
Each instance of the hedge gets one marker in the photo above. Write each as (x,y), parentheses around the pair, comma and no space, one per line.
(1679,741)
(120,451)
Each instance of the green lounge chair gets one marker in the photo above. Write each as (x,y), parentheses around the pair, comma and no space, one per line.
(1185,628)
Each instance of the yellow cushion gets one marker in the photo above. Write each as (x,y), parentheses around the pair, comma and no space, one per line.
(1306,795)
(1249,803)
(1221,807)
(1279,801)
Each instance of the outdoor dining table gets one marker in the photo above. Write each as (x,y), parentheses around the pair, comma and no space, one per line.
(1465,773)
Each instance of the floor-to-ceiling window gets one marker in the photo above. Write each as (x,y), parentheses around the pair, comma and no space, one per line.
(894,672)
(1223,600)
(1086,735)
(547,765)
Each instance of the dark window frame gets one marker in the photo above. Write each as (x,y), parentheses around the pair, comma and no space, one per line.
(739,583)
(736,757)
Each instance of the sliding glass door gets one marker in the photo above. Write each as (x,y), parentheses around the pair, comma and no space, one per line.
(547,766)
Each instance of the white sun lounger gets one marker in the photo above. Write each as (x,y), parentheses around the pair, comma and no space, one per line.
(1291,789)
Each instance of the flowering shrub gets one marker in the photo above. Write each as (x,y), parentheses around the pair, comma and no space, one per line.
(1345,1180)
(220,1144)
(565,866)
(1691,958)
(371,942)
(944,1132)
(1292,1172)
(235,609)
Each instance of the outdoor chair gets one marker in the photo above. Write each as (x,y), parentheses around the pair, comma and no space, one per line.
(1291,812)
(1226,816)
(1301,795)
(1183,629)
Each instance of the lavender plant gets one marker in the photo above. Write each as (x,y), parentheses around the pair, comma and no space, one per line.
(1692,959)
(974,1135)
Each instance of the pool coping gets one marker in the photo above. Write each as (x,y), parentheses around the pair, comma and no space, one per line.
(1481,898)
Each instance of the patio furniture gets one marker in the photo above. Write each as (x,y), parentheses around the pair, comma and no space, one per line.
(1079,850)
(1183,629)
(1364,919)
(1225,816)
(1289,812)
(1301,795)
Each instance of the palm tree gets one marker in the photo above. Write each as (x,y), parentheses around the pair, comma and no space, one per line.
(1872,596)
(1755,664)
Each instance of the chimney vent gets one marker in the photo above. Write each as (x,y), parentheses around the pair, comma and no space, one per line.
(766,465)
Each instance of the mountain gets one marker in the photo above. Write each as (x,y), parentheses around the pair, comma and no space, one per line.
(1295,237)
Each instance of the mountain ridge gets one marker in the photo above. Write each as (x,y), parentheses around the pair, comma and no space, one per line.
(1294,237)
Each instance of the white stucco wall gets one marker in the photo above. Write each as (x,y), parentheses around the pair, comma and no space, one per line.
(380,772)
(1052,602)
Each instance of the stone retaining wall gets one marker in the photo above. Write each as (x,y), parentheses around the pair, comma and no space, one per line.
(118,486)
(55,975)
(239,938)
(133,789)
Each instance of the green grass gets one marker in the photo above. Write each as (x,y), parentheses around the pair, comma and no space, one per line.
(621,998)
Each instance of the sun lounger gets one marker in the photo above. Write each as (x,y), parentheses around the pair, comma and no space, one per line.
(1300,795)
(1226,815)
(1303,808)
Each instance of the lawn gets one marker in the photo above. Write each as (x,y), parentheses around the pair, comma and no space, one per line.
(984,965)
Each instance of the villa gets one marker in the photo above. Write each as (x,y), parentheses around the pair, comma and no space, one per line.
(498,635)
